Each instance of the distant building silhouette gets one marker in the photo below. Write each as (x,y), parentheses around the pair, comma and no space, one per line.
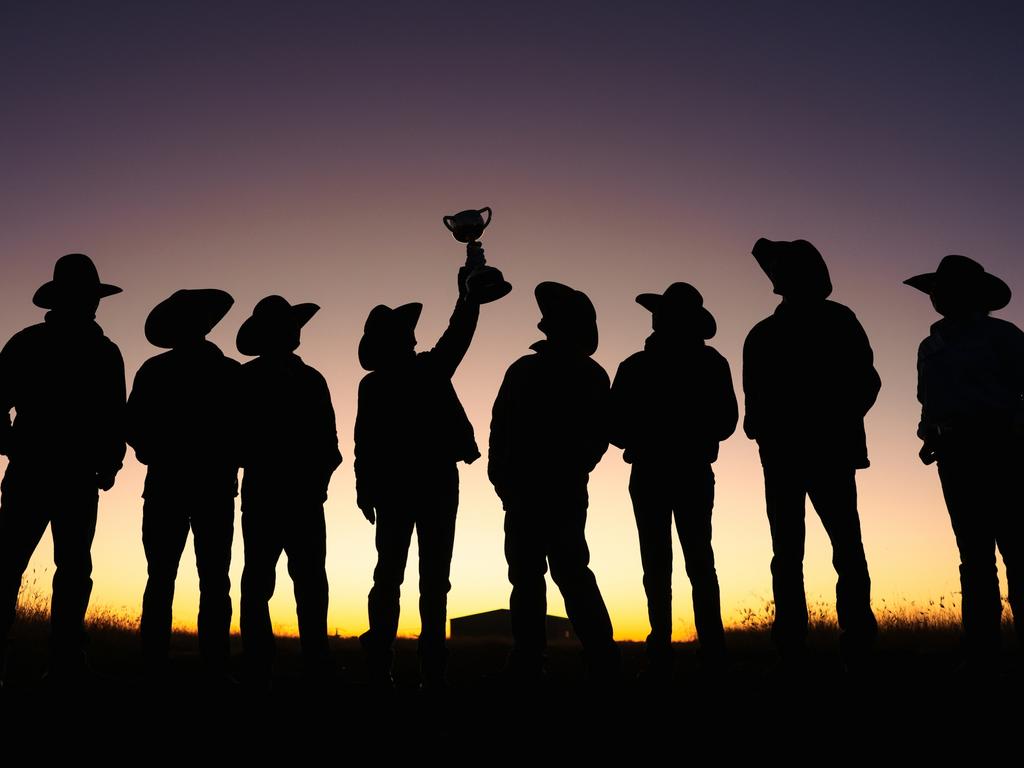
(497,625)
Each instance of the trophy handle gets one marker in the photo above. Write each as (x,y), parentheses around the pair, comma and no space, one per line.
(448,222)
(488,215)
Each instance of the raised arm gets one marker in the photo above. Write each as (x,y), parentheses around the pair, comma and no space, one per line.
(447,354)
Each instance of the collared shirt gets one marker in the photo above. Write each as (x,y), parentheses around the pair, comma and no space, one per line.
(970,375)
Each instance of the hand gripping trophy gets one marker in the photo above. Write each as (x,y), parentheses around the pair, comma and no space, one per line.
(484,283)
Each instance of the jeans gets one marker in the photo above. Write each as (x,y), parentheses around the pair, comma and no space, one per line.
(298,529)
(166,521)
(32,499)
(431,510)
(833,492)
(688,495)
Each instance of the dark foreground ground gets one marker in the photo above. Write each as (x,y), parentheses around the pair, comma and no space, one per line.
(913,701)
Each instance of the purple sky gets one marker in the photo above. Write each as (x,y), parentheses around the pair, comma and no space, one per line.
(310,149)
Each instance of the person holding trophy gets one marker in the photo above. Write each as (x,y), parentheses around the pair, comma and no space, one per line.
(411,432)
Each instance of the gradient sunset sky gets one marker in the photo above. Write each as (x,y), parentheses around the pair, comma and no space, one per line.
(311,148)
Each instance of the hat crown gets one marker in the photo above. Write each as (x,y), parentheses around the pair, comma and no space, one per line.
(272,305)
(684,295)
(75,268)
(954,264)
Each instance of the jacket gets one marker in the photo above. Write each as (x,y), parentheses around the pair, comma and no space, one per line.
(672,402)
(970,377)
(409,418)
(66,381)
(809,380)
(289,440)
(182,420)
(549,423)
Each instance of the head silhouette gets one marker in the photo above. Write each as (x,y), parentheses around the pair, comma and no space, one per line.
(274,327)
(186,317)
(389,336)
(75,287)
(568,318)
(679,312)
(961,286)
(796,269)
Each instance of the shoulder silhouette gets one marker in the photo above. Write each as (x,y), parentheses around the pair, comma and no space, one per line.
(65,380)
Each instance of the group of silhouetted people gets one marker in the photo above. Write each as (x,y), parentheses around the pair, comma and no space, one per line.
(195,417)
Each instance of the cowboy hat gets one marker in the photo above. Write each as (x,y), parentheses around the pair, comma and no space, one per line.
(568,315)
(680,304)
(186,315)
(795,268)
(385,329)
(272,319)
(74,277)
(964,280)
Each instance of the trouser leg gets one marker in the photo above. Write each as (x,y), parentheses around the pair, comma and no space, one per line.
(164,532)
(23,520)
(569,557)
(785,497)
(1010,537)
(833,493)
(527,564)
(73,526)
(435,530)
(263,547)
(307,565)
(693,509)
(653,514)
(964,482)
(213,526)
(393,535)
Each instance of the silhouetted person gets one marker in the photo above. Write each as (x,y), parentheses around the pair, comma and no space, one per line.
(549,429)
(180,423)
(289,450)
(970,383)
(410,433)
(809,380)
(672,404)
(65,380)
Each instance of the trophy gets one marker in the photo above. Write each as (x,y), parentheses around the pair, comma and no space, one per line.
(484,284)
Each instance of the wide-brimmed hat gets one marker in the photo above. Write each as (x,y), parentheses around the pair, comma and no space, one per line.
(568,315)
(795,268)
(385,327)
(273,319)
(186,315)
(680,305)
(966,280)
(74,277)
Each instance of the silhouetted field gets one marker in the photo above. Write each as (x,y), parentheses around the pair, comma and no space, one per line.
(915,689)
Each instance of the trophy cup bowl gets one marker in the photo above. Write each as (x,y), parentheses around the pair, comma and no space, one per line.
(484,283)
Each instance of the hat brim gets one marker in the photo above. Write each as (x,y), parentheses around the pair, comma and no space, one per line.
(650,301)
(185,316)
(988,291)
(50,295)
(254,332)
(703,321)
